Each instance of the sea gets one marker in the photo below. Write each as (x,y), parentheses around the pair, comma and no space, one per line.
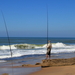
(34,48)
(24,47)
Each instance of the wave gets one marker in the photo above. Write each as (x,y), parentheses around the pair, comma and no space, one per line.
(4,47)
(20,46)
(30,46)
(31,49)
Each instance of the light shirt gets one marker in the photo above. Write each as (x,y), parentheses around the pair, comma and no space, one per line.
(49,45)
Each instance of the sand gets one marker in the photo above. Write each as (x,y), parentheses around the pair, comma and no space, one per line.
(57,67)
(48,67)
(60,70)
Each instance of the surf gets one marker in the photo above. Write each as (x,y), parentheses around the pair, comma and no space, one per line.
(33,49)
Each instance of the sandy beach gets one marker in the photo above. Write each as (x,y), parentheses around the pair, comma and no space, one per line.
(46,67)
(57,67)
(59,70)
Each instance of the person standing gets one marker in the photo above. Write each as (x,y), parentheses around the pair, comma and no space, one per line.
(49,46)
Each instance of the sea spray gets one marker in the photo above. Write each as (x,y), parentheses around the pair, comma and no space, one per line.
(4,47)
(33,49)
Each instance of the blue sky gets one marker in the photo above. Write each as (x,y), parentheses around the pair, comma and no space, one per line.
(28,18)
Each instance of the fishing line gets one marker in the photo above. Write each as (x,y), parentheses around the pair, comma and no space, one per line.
(47,23)
(8,39)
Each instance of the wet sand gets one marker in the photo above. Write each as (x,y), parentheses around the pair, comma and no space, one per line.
(45,67)
(58,70)
(18,70)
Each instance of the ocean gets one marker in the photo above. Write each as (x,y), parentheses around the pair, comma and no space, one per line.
(34,48)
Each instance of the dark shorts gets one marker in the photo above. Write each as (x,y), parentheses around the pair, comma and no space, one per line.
(48,52)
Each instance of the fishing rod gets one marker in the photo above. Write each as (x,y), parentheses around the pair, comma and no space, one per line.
(47,22)
(8,39)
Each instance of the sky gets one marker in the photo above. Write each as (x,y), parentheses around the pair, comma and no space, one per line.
(28,18)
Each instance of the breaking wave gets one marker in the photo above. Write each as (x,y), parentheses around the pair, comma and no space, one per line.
(31,49)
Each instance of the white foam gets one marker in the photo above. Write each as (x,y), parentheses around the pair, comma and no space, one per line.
(44,46)
(58,45)
(7,47)
(56,48)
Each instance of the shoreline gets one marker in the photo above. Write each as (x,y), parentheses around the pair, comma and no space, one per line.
(46,67)
(18,70)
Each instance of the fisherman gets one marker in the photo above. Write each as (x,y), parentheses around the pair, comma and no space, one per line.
(49,46)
